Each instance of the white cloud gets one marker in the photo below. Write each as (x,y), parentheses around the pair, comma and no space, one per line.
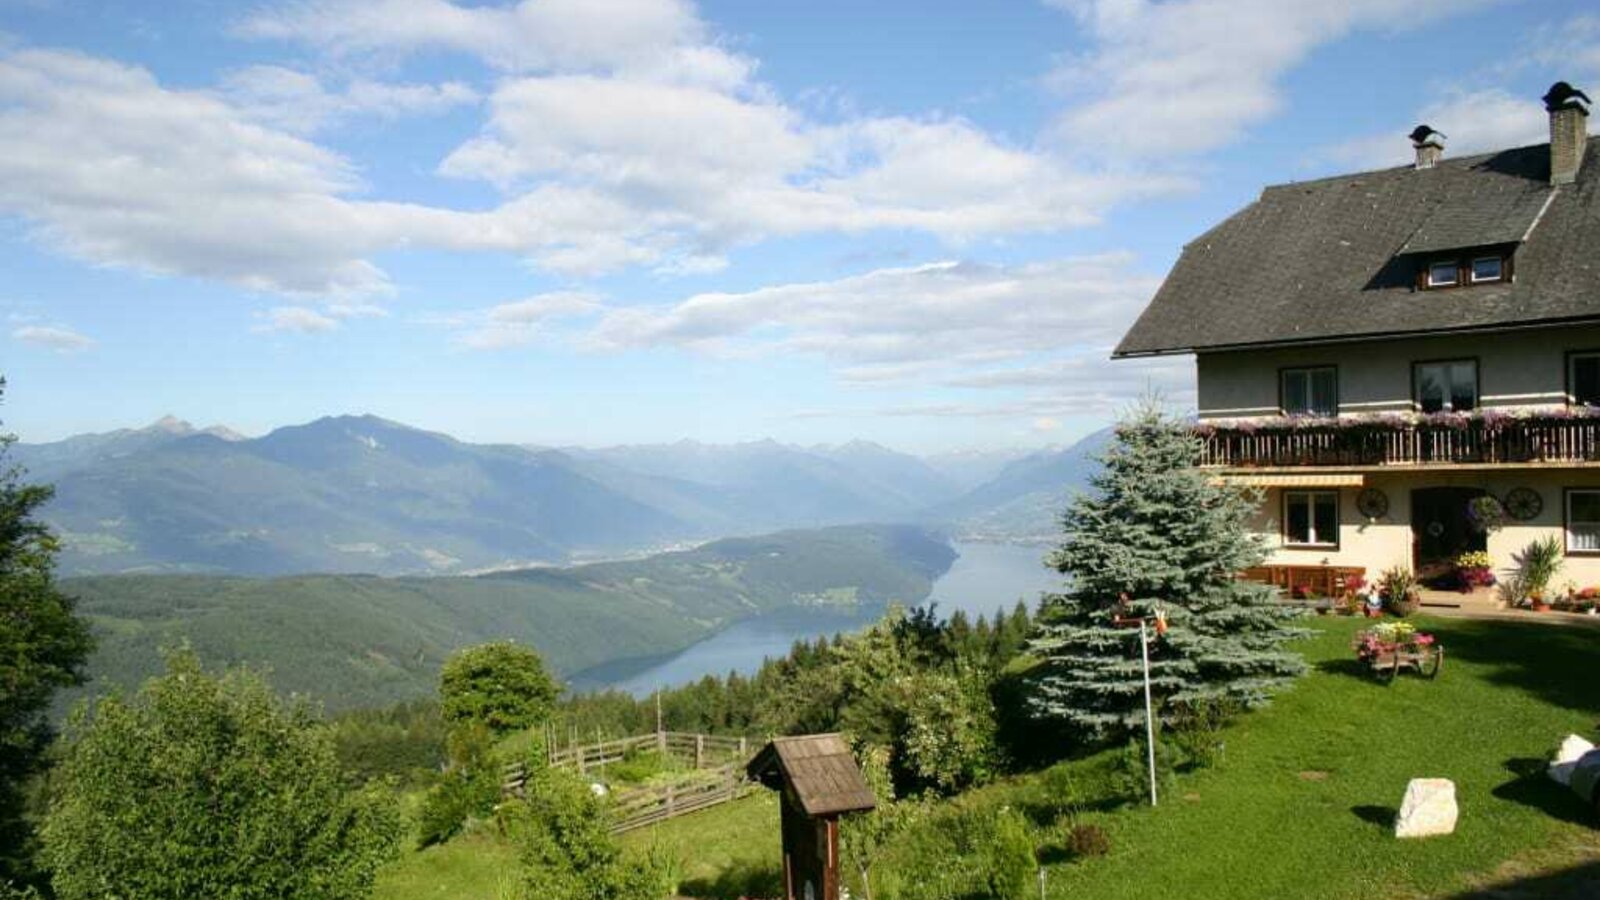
(296,101)
(1473,122)
(298,320)
(518,323)
(946,312)
(62,340)
(1187,76)
(532,35)
(112,168)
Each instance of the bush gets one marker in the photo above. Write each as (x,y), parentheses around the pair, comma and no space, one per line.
(568,852)
(1195,729)
(1009,864)
(210,787)
(1088,840)
(949,742)
(468,790)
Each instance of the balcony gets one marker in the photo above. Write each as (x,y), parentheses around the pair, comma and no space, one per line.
(1437,440)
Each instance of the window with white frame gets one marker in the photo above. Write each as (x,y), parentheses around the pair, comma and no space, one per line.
(1311,391)
(1583,521)
(1447,386)
(1311,518)
(1488,268)
(1444,274)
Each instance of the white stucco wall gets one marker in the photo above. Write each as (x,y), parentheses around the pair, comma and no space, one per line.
(1515,368)
(1388,541)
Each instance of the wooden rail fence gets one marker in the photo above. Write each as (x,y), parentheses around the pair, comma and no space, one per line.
(718,763)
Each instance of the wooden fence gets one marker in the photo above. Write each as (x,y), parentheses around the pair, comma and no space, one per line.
(718,761)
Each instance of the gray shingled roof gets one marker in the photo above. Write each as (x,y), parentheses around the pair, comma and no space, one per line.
(1338,257)
(821,770)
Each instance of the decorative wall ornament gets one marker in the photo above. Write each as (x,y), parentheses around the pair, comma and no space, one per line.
(1523,503)
(1373,503)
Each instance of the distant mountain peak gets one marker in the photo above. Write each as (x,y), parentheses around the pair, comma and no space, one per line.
(171,425)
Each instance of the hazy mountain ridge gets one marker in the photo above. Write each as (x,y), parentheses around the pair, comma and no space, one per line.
(361,494)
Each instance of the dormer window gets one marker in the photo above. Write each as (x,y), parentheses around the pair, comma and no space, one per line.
(1444,274)
(1464,272)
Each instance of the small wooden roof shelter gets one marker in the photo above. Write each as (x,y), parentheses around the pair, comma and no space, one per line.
(820,772)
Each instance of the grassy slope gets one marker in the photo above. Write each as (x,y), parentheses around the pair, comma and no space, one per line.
(1260,827)
(1301,806)
(356,641)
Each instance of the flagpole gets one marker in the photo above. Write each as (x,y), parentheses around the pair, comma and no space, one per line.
(1149,708)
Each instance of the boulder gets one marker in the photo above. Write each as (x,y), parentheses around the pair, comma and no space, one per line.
(1429,809)
(1572,749)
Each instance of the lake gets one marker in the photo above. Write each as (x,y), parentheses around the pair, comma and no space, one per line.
(984,578)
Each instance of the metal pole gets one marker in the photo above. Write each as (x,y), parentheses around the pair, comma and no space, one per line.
(1149,708)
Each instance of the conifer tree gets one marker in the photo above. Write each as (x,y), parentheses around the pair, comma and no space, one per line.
(1156,534)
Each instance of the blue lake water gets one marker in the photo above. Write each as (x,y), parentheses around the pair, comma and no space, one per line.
(984,578)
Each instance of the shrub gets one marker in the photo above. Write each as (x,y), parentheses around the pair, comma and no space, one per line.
(1009,863)
(949,740)
(1195,728)
(210,787)
(467,790)
(568,852)
(1088,840)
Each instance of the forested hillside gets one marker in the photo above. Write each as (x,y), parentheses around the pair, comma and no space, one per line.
(356,641)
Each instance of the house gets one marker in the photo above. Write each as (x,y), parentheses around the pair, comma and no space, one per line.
(1401,358)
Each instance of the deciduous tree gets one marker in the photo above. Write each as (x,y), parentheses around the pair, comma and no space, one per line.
(43,647)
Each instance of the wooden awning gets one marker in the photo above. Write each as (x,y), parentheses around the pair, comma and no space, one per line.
(1294,479)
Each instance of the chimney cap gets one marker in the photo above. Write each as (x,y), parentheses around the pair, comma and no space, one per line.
(1565,96)
(1423,135)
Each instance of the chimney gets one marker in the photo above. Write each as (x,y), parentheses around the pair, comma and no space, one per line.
(1429,144)
(1569,131)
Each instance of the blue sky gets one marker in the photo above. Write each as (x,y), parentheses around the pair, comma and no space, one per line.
(621,221)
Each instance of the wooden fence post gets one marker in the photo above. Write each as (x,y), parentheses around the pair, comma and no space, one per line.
(672,803)
(699,752)
(743,749)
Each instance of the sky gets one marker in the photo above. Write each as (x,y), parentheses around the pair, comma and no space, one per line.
(595,222)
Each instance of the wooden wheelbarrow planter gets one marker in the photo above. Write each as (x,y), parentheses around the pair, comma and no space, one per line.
(1424,659)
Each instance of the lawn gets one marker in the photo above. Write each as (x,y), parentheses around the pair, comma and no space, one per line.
(1300,805)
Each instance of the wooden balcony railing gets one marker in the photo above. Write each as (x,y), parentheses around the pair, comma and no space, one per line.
(1389,443)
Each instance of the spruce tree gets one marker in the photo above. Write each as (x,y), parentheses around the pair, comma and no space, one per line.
(1155,533)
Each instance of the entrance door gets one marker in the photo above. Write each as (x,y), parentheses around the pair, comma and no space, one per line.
(1442,527)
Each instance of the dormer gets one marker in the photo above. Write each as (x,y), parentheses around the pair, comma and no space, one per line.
(1465,268)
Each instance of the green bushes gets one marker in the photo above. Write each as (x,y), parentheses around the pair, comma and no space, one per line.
(563,832)
(203,786)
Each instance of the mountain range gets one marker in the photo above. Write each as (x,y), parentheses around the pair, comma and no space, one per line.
(361,494)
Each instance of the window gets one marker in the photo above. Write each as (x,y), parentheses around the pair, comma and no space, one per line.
(1444,274)
(1311,518)
(1488,268)
(1449,386)
(1310,392)
(1583,379)
(1583,521)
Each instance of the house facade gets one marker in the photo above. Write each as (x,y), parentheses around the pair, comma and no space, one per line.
(1406,362)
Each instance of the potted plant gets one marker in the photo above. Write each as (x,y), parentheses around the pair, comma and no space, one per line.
(1537,566)
(1473,571)
(1398,588)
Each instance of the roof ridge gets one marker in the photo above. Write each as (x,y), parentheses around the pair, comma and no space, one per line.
(1448,162)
